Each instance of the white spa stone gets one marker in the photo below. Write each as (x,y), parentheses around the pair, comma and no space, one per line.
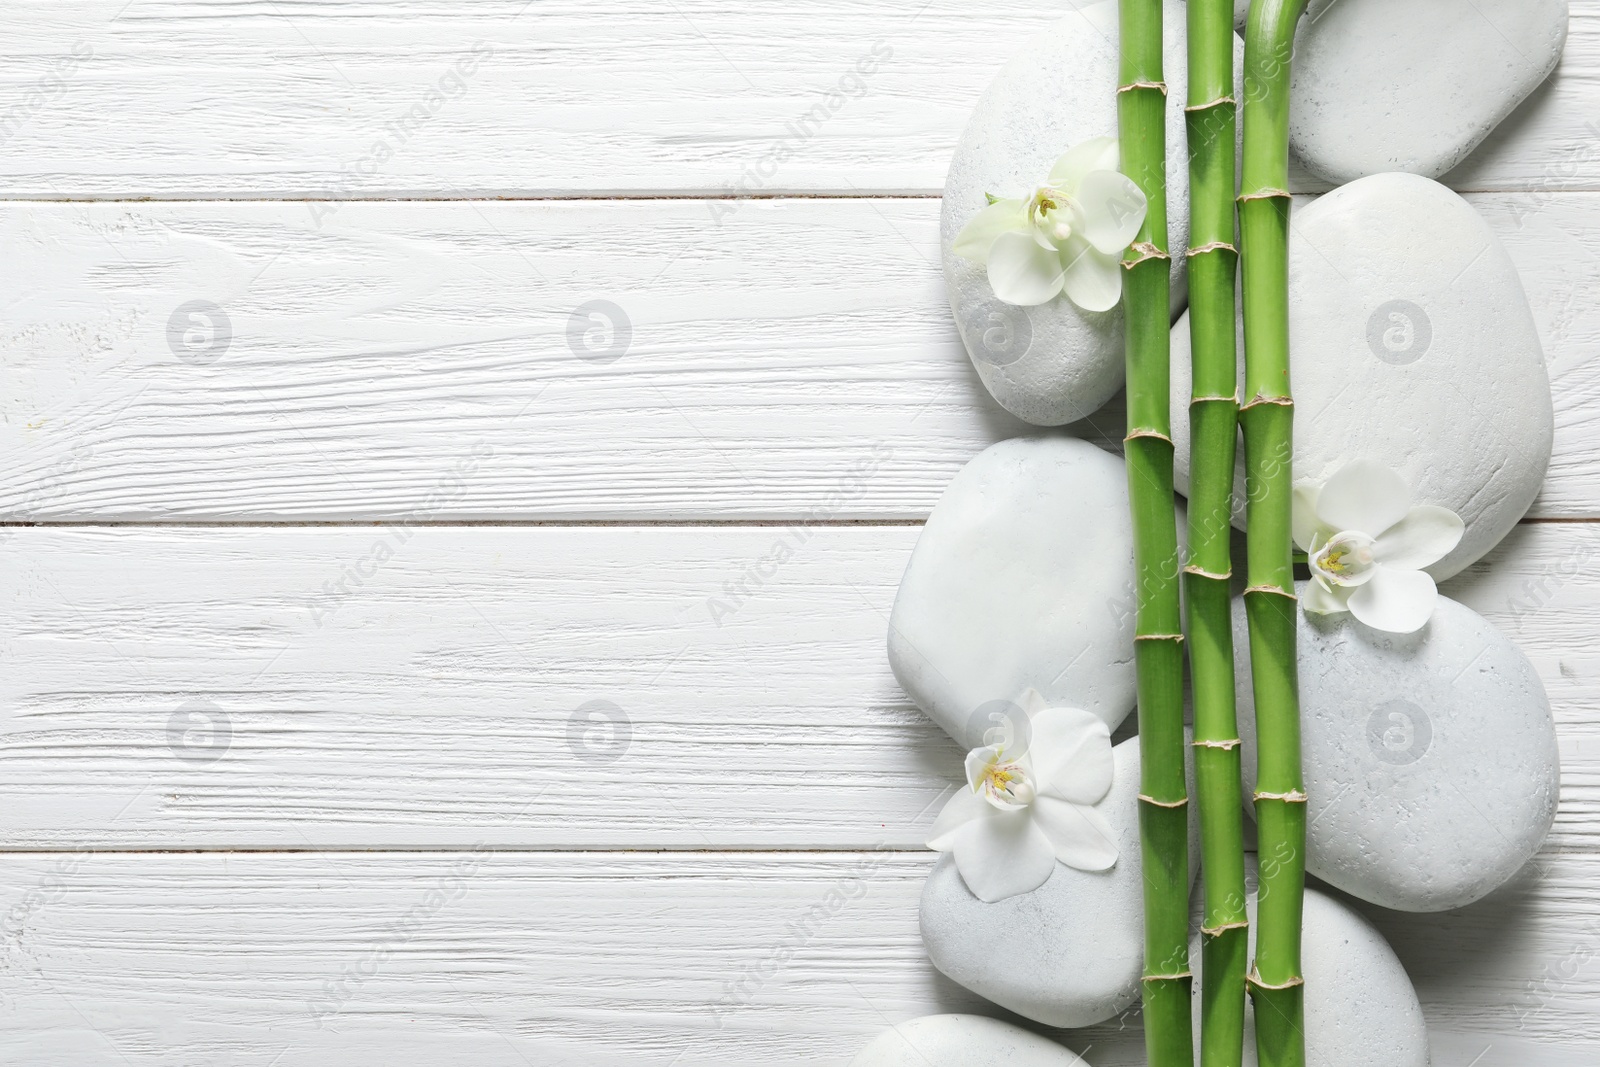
(1411,344)
(1414,85)
(962,1041)
(1053,363)
(1430,758)
(1022,579)
(1070,953)
(1361,1007)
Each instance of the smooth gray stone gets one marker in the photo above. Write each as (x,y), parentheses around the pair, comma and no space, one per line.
(1053,363)
(1430,759)
(1071,952)
(1412,344)
(962,1041)
(1022,579)
(1414,85)
(1361,1007)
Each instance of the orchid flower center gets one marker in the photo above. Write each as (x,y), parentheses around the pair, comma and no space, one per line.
(1053,213)
(1005,783)
(1346,559)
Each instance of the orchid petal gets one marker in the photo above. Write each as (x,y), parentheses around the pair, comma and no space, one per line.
(1033,702)
(1113,209)
(1071,753)
(959,810)
(1364,496)
(1021,272)
(1098,153)
(1425,536)
(1093,280)
(1397,601)
(1080,836)
(1319,599)
(980,232)
(1003,856)
(1305,514)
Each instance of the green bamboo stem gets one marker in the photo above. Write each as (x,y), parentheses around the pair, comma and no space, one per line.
(1213,430)
(1277,986)
(1158,641)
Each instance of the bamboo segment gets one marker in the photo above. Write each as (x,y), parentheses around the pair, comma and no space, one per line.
(1276,983)
(1211,118)
(1163,799)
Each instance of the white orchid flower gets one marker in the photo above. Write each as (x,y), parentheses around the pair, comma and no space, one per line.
(1069,235)
(1367,546)
(1024,811)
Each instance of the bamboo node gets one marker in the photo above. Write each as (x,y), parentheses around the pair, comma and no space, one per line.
(1293,796)
(1232,398)
(1274,590)
(1219,101)
(1143,85)
(1258,400)
(1143,251)
(1167,977)
(1156,434)
(1233,742)
(1214,246)
(1180,803)
(1159,637)
(1265,194)
(1259,984)
(1201,572)
(1218,931)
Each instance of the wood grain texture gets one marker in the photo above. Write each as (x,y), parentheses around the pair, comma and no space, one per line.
(439,703)
(509,959)
(419,98)
(796,359)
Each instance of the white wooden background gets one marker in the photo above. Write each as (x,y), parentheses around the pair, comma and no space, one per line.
(303,633)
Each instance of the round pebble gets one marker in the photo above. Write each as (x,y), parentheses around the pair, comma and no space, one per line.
(1071,952)
(1361,1007)
(1053,363)
(1022,579)
(1411,344)
(1430,759)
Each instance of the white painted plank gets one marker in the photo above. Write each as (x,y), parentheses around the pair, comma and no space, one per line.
(506,959)
(799,358)
(434,705)
(186,98)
